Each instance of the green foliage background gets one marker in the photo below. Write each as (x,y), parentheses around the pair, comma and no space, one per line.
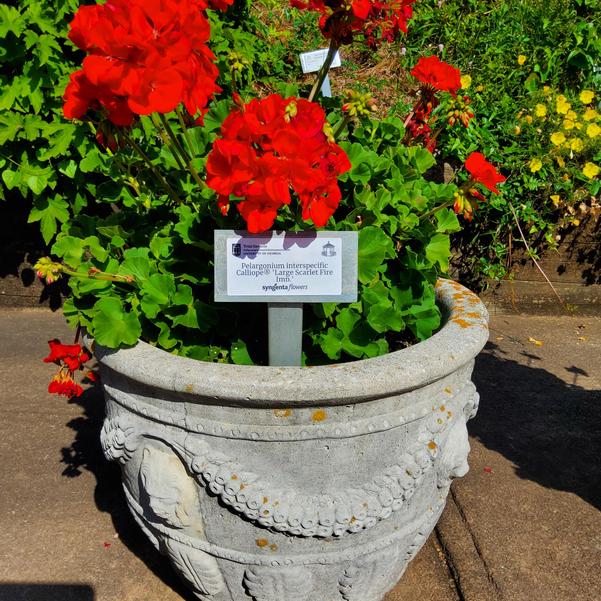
(95,201)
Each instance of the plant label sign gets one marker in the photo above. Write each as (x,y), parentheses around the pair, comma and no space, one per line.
(285,267)
(311,62)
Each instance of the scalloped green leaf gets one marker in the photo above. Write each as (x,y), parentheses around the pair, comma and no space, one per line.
(113,326)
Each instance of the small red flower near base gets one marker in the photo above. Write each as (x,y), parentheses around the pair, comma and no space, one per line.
(437,74)
(63,384)
(483,172)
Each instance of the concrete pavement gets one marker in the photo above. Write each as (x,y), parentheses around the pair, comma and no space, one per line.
(524,524)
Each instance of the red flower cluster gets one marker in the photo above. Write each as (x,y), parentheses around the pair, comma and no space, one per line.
(377,20)
(270,146)
(437,74)
(143,57)
(70,358)
(483,172)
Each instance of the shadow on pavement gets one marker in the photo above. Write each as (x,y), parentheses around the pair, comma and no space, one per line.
(85,453)
(24,591)
(549,429)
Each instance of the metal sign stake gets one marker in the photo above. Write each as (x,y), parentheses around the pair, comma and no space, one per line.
(285,323)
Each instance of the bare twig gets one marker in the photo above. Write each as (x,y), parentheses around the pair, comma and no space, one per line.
(531,254)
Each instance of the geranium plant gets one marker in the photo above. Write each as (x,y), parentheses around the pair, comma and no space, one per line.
(190,149)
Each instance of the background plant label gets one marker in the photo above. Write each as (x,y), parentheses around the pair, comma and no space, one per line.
(285,266)
(312,62)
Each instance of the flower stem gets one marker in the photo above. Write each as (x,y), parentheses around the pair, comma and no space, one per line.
(184,127)
(170,191)
(169,142)
(94,274)
(325,68)
(174,138)
(184,155)
(345,121)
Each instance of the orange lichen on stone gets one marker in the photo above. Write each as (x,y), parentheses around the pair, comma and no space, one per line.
(282,412)
(319,415)
(450,413)
(442,408)
(262,542)
(353,520)
(242,486)
(461,322)
(265,500)
(234,477)
(432,445)
(273,547)
(448,390)
(189,388)
(473,315)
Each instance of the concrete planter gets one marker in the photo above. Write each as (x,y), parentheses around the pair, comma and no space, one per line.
(294,484)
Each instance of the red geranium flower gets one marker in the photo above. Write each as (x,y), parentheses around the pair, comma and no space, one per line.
(439,75)
(377,20)
(63,384)
(483,172)
(143,57)
(269,148)
(72,355)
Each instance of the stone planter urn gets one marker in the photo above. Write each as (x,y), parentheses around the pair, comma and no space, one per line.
(294,484)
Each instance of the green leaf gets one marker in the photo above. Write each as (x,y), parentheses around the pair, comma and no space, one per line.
(137,263)
(447,222)
(374,247)
(44,47)
(439,251)
(10,125)
(48,211)
(156,293)
(10,21)
(331,343)
(239,353)
(70,249)
(58,142)
(383,318)
(422,158)
(113,326)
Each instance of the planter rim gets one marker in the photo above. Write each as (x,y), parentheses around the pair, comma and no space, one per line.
(461,338)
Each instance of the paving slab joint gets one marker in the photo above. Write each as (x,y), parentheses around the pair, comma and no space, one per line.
(471,574)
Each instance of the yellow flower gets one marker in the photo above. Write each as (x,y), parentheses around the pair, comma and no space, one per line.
(555,199)
(586,96)
(521,59)
(590,115)
(578,125)
(576,145)
(540,110)
(546,90)
(466,82)
(571,115)
(518,130)
(560,161)
(558,138)
(535,165)
(528,119)
(562,105)
(480,88)
(593,130)
(568,124)
(591,170)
